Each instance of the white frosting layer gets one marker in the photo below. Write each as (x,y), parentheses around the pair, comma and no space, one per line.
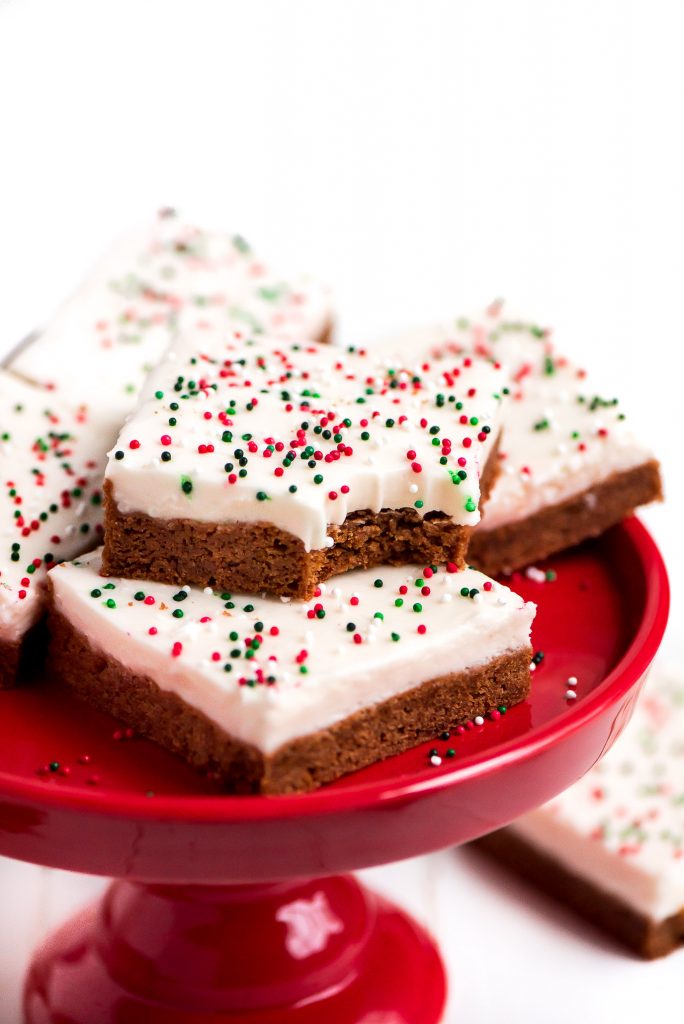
(559,437)
(355,645)
(119,323)
(255,429)
(622,826)
(51,465)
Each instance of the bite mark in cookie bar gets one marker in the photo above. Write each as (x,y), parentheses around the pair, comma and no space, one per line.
(280,696)
(612,846)
(51,464)
(258,557)
(152,283)
(255,464)
(570,465)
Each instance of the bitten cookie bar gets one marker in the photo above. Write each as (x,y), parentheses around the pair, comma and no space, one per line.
(101,344)
(51,465)
(257,465)
(570,465)
(277,697)
(612,846)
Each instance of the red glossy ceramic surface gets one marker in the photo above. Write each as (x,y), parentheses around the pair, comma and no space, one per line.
(137,813)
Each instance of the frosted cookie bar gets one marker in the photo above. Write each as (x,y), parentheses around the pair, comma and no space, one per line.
(259,465)
(278,697)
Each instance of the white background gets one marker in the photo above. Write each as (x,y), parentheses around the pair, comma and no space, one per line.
(423,157)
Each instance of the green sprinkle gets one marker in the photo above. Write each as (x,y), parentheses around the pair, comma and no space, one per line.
(96,593)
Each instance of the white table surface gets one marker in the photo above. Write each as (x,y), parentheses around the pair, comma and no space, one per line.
(424,156)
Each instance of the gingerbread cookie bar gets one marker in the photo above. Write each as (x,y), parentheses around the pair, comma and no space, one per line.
(51,465)
(612,846)
(570,464)
(278,697)
(259,465)
(119,323)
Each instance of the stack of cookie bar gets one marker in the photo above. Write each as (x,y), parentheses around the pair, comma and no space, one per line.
(283,595)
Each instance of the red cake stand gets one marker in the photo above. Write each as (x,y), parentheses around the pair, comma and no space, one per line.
(229,908)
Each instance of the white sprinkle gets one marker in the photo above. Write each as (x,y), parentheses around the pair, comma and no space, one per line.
(570,695)
(572,680)
(207,591)
(479,720)
(533,667)
(413,488)
(535,574)
(435,760)
(328,542)
(445,599)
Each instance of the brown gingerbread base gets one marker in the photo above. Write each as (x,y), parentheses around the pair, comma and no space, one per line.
(561,526)
(260,558)
(650,939)
(365,737)
(20,658)
(10,658)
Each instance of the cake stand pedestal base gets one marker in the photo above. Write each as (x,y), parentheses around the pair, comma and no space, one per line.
(284,953)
